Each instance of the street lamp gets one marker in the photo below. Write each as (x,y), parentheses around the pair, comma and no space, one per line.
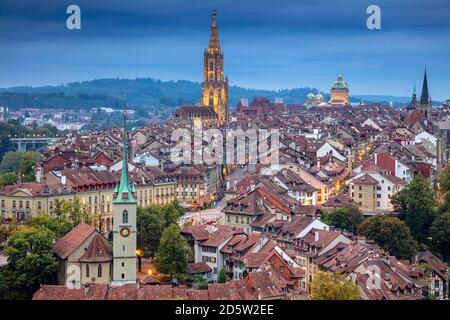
(139,255)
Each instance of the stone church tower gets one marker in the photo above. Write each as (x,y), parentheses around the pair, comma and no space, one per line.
(124,224)
(215,84)
(425,104)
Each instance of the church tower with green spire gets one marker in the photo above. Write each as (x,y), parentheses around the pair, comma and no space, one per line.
(124,224)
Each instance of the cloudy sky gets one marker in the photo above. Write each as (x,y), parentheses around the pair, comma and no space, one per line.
(267,44)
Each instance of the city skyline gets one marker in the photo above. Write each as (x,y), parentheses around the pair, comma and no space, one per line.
(266,47)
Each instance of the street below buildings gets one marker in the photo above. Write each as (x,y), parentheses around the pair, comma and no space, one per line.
(214,214)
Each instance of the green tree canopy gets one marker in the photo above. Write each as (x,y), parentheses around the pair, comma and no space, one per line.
(59,226)
(8,178)
(11,162)
(440,235)
(333,286)
(222,276)
(391,234)
(444,180)
(171,257)
(150,226)
(30,258)
(347,218)
(29,160)
(415,205)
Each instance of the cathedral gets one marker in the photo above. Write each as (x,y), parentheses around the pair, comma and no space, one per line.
(213,108)
(215,84)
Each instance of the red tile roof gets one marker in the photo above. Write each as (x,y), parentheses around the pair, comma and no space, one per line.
(66,245)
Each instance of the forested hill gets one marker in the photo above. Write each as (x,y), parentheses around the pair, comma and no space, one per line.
(141,92)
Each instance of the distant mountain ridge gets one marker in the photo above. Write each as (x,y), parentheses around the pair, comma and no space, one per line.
(148,93)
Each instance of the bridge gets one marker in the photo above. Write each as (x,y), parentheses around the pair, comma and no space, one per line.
(32,143)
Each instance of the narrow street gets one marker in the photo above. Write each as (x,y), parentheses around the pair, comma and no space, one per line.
(215,214)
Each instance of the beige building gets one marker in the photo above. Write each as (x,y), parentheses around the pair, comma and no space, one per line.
(323,192)
(95,190)
(339,93)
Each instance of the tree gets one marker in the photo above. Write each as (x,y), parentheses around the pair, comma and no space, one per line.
(5,142)
(171,257)
(391,234)
(222,276)
(59,226)
(30,258)
(445,206)
(150,226)
(26,168)
(170,214)
(347,218)
(440,235)
(415,205)
(11,162)
(4,234)
(444,180)
(333,286)
(8,178)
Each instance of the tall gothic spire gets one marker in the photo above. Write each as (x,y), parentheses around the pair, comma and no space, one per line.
(124,192)
(214,45)
(425,96)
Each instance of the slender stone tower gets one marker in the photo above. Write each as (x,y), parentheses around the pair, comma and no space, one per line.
(124,224)
(215,84)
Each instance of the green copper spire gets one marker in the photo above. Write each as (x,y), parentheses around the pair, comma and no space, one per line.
(125,193)
(414,92)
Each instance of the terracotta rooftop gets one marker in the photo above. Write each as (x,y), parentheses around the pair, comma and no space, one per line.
(66,245)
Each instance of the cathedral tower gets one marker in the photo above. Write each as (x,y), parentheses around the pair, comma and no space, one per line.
(215,84)
(124,224)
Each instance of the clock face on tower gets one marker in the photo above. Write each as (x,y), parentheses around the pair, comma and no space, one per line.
(125,232)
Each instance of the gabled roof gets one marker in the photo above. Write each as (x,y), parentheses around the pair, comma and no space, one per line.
(66,245)
(99,250)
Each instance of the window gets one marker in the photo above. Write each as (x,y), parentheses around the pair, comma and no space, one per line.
(125,216)
(99,271)
(123,275)
(123,264)
(87,271)
(281,269)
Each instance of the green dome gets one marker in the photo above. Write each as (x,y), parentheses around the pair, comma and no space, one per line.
(310,95)
(319,96)
(339,84)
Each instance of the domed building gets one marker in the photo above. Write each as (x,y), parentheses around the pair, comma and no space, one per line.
(310,99)
(314,100)
(339,93)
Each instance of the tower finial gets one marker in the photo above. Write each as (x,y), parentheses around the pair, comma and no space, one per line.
(214,45)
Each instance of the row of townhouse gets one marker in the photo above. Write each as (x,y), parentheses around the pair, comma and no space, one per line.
(217,247)
(93,188)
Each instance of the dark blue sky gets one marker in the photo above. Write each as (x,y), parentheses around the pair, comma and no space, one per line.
(267,44)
